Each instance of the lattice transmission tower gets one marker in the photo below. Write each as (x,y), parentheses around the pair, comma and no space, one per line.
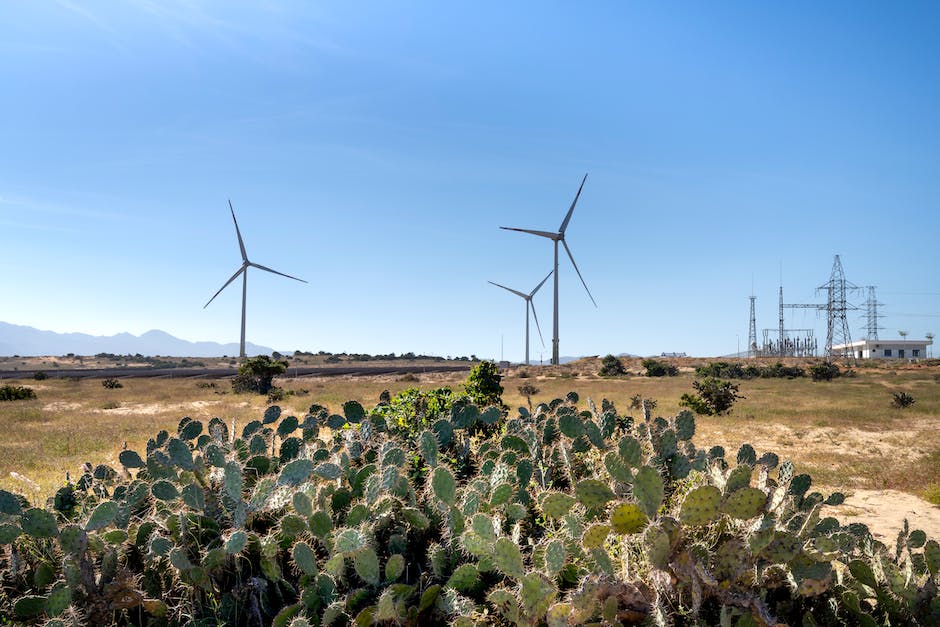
(837,324)
(871,313)
(752,332)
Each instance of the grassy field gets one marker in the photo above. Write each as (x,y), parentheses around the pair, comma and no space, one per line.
(845,432)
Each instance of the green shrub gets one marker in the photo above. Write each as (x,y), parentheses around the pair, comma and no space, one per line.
(16,393)
(824,371)
(900,400)
(612,367)
(256,375)
(111,384)
(39,375)
(656,368)
(482,385)
(714,397)
(726,370)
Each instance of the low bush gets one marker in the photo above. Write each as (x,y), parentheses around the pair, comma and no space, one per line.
(656,368)
(612,367)
(900,400)
(111,384)
(16,393)
(824,371)
(714,397)
(727,370)
(39,375)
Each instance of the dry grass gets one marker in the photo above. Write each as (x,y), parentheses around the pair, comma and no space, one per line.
(844,433)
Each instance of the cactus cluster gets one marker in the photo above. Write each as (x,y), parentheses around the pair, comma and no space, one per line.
(558,516)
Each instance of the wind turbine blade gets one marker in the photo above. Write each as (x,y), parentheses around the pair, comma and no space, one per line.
(266,269)
(539,286)
(234,276)
(509,289)
(539,233)
(571,257)
(564,225)
(241,244)
(535,315)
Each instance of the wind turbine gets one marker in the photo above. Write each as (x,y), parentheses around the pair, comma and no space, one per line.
(243,270)
(528,305)
(559,237)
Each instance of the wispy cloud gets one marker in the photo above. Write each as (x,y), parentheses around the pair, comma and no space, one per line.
(113,38)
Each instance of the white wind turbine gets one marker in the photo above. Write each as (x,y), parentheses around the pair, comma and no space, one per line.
(559,237)
(243,270)
(528,305)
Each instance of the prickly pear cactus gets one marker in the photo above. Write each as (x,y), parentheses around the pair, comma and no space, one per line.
(429,510)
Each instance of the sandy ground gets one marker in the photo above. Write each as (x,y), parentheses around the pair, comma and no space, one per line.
(149,409)
(884,512)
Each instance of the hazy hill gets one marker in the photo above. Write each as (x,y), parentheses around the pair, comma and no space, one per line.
(22,340)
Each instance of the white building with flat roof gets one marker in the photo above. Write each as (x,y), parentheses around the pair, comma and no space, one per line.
(884,349)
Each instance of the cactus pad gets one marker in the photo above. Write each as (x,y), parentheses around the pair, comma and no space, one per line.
(366,564)
(236,542)
(537,595)
(465,578)
(507,558)
(501,494)
(164,490)
(444,485)
(731,560)
(554,557)
(745,503)
(102,516)
(349,541)
(631,451)
(627,518)
(428,445)
(648,490)
(394,567)
(738,478)
(304,558)
(593,493)
(594,536)
(700,506)
(130,459)
(570,424)
(617,468)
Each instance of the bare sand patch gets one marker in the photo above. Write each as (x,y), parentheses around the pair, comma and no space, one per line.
(884,512)
(150,409)
(61,406)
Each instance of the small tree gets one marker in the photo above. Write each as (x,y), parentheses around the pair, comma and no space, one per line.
(483,386)
(528,390)
(612,367)
(39,375)
(715,397)
(256,374)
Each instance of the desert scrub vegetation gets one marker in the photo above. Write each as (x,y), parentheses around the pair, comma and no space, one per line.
(256,375)
(900,400)
(612,367)
(16,393)
(570,514)
(111,384)
(713,397)
(657,368)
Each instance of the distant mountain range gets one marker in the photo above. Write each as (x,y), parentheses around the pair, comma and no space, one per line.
(21,340)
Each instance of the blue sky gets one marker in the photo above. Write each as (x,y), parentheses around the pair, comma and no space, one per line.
(374,148)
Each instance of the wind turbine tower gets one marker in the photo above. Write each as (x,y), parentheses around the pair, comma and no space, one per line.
(243,270)
(556,237)
(528,305)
